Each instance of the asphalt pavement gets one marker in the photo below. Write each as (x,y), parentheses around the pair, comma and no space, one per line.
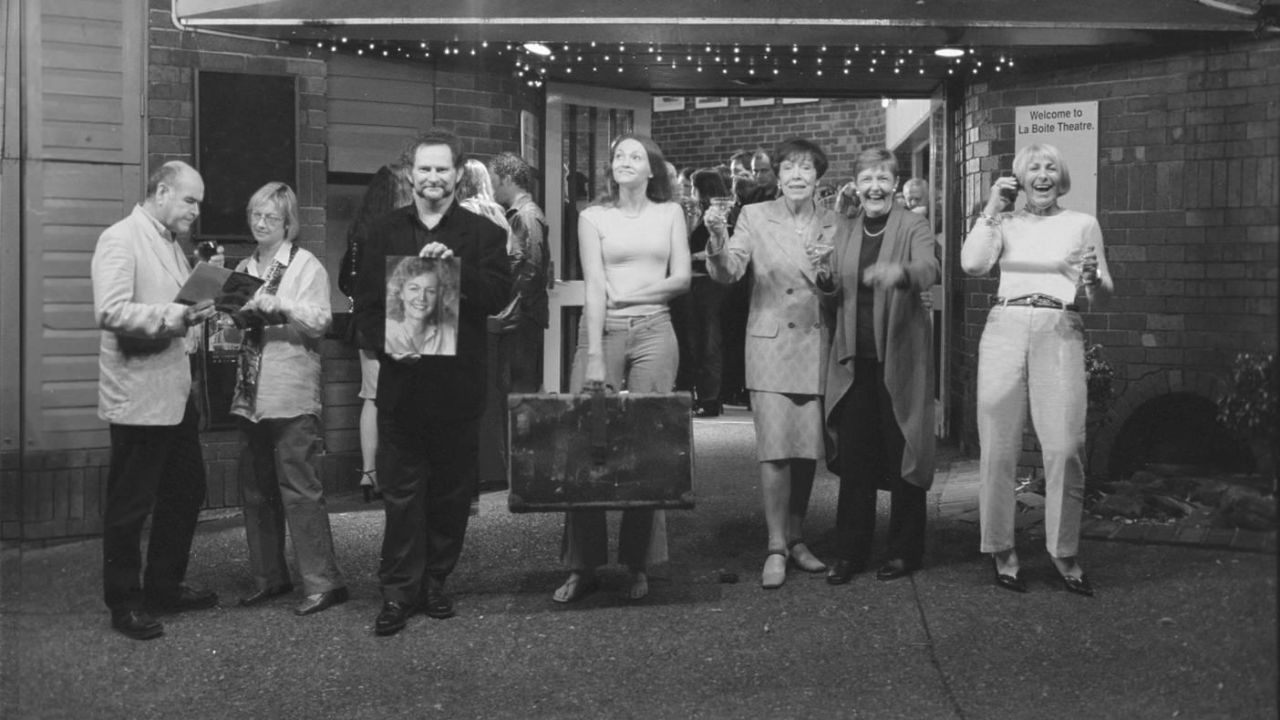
(1175,631)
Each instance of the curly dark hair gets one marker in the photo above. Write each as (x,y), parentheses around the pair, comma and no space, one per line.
(510,165)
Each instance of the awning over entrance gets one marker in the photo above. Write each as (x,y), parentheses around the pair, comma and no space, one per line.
(760,45)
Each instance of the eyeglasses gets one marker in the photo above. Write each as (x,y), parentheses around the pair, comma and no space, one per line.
(270,219)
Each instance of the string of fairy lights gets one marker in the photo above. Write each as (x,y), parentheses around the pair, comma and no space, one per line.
(536,62)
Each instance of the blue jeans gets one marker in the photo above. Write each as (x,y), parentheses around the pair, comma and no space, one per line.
(640,355)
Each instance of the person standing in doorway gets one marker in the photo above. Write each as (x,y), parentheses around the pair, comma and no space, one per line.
(144,392)
(530,257)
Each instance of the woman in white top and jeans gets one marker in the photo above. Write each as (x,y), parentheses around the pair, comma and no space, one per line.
(1032,349)
(635,258)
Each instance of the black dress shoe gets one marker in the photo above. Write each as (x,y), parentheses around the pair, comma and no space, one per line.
(136,624)
(438,605)
(1008,582)
(1078,585)
(895,569)
(265,594)
(392,618)
(842,571)
(321,601)
(187,598)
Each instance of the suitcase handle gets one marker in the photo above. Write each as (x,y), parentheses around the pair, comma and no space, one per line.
(599,422)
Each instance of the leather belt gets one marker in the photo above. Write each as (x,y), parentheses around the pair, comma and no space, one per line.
(1035,300)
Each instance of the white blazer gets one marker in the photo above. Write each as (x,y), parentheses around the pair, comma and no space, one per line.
(144,373)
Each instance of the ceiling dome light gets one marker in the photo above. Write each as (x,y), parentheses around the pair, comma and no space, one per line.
(948,52)
(537,48)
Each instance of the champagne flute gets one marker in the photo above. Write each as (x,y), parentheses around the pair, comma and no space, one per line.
(717,215)
(819,252)
(1084,260)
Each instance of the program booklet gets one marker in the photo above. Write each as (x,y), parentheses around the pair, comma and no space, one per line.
(228,289)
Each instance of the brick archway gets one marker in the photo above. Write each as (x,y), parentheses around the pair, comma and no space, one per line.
(1151,387)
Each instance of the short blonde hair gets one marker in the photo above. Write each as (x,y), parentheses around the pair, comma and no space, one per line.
(286,202)
(1043,151)
(872,158)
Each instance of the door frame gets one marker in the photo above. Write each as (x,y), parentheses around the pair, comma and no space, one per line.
(570,293)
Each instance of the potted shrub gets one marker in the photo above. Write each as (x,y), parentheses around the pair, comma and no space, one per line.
(1100,388)
(1248,407)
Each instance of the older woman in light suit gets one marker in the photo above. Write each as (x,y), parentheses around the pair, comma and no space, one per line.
(785,243)
(879,378)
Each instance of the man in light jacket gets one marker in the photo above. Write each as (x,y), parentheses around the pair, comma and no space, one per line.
(145,393)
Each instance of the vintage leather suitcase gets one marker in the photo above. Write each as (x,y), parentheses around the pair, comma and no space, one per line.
(600,450)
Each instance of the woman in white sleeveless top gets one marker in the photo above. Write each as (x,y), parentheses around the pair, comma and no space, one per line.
(635,258)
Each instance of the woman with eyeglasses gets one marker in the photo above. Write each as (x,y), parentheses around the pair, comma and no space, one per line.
(277,399)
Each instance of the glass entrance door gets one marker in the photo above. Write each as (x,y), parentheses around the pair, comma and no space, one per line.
(581,122)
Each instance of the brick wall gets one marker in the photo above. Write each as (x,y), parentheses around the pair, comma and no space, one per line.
(175,59)
(705,138)
(1188,195)
(484,108)
(60,494)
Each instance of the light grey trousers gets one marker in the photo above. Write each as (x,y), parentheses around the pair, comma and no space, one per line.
(1032,356)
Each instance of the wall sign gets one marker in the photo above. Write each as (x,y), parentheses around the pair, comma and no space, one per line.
(1073,129)
(667,103)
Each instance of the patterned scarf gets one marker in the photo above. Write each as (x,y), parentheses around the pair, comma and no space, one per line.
(245,400)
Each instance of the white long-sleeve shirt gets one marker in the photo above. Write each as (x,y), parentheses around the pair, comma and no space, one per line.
(289,377)
(1036,253)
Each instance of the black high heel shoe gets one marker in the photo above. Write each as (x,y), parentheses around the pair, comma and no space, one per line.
(1008,582)
(367,488)
(1078,585)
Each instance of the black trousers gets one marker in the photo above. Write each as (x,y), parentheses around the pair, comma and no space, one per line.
(870,445)
(157,471)
(427,471)
(523,358)
(733,315)
(696,316)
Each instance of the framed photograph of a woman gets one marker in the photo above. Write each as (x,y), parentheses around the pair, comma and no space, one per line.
(422,306)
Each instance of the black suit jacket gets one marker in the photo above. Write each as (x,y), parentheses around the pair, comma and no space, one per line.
(434,386)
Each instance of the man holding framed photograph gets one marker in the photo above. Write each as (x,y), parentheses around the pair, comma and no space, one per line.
(429,405)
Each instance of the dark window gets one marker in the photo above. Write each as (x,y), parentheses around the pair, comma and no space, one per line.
(247,136)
